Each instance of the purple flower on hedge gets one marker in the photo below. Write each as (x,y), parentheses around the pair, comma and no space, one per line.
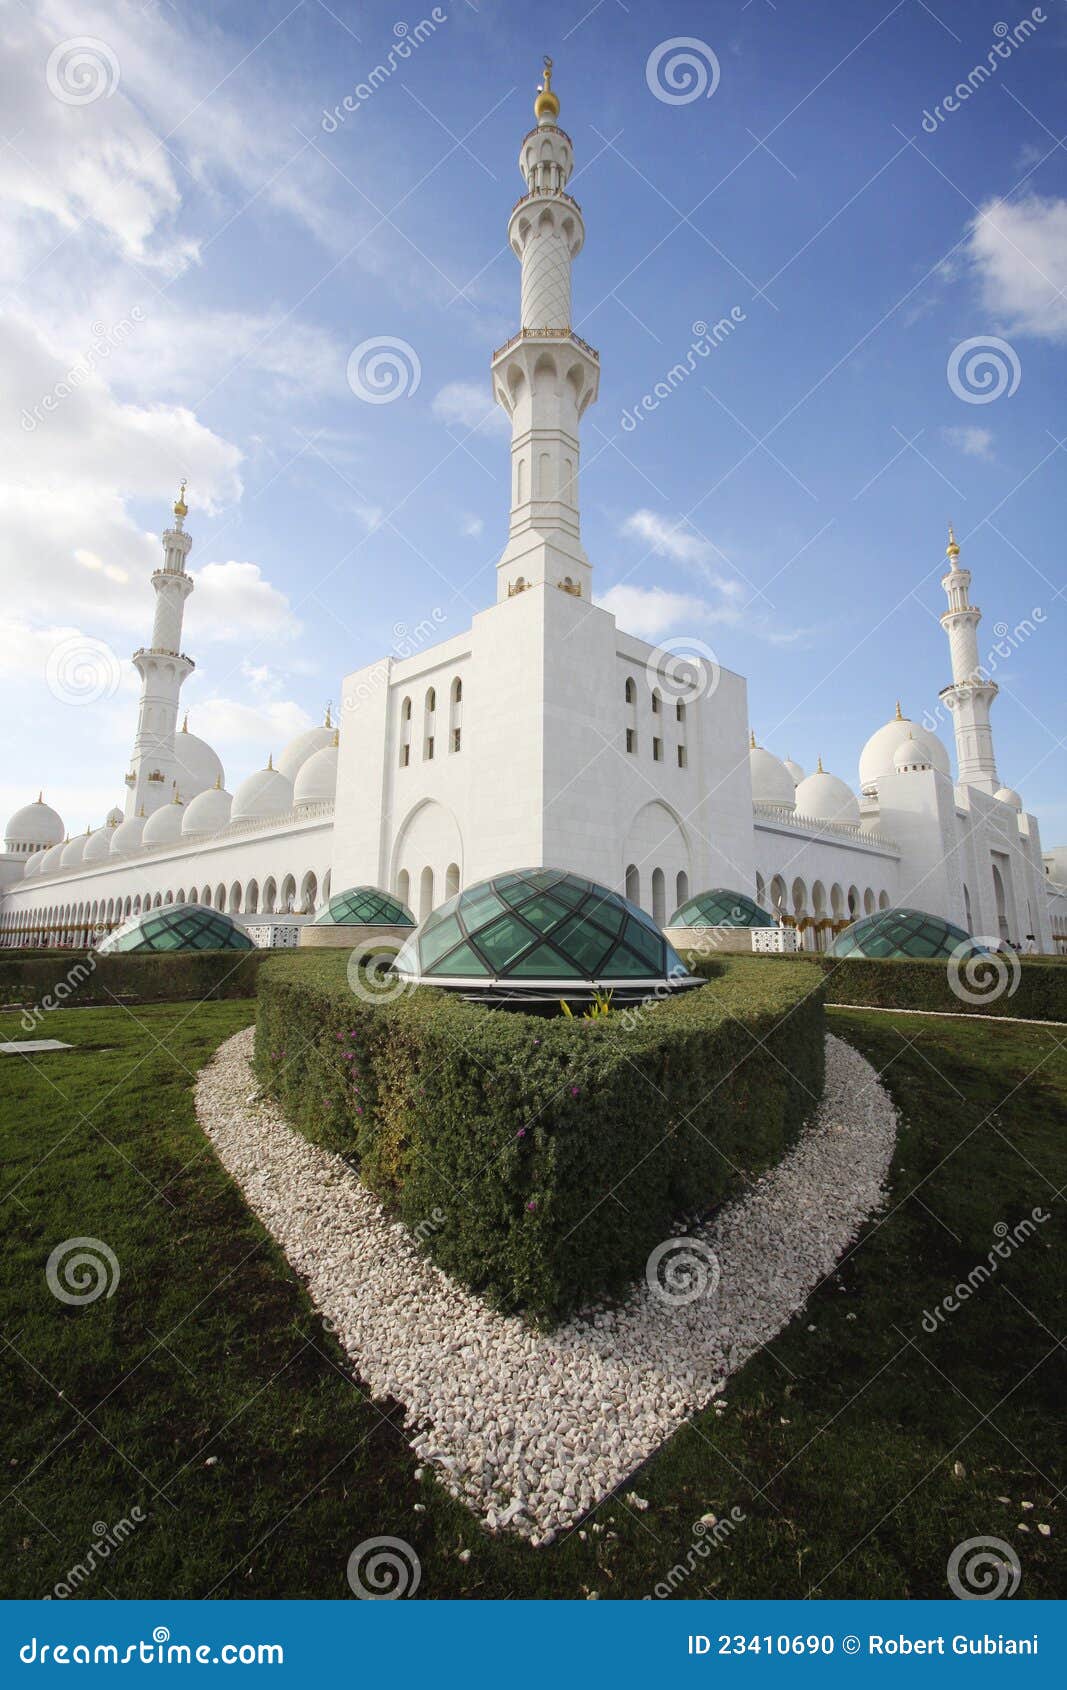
(359,1108)
(532,1204)
(521,1133)
(575,1092)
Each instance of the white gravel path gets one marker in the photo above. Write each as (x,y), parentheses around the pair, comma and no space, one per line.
(531,1429)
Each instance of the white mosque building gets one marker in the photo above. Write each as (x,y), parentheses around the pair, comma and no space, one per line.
(543,734)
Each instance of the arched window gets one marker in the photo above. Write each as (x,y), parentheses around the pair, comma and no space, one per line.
(403,886)
(429,724)
(235,898)
(288,894)
(455,725)
(309,891)
(681,889)
(252,898)
(659,897)
(270,894)
(630,690)
(630,699)
(425,893)
(657,739)
(633,884)
(220,896)
(451,880)
(405,733)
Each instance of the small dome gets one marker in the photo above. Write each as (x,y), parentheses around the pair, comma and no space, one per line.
(164,825)
(316,782)
(178,927)
(127,836)
(876,758)
(53,858)
(902,933)
(74,850)
(721,908)
(364,906)
(98,847)
(208,813)
(196,765)
(825,798)
(303,746)
(35,824)
(540,931)
(794,769)
(909,756)
(34,862)
(771,781)
(113,817)
(1056,864)
(1008,795)
(266,793)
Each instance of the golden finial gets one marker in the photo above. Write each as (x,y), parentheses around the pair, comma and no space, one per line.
(546,103)
(88,829)
(181,509)
(40,796)
(327,723)
(141,811)
(821,769)
(900,713)
(336,736)
(270,760)
(752,739)
(218,783)
(185,723)
(952,549)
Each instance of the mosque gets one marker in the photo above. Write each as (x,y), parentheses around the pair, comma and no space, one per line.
(543,734)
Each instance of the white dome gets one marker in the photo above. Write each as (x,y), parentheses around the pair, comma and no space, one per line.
(1008,795)
(98,846)
(794,769)
(196,765)
(910,755)
(164,825)
(74,850)
(826,799)
(53,857)
(876,758)
(317,781)
(771,781)
(208,813)
(127,836)
(113,817)
(305,745)
(34,862)
(266,793)
(35,824)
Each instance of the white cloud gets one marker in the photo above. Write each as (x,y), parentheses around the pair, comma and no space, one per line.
(1019,250)
(472,526)
(233,601)
(469,405)
(652,612)
(972,442)
(249,732)
(679,542)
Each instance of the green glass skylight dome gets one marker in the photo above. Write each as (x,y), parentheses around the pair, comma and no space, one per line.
(721,908)
(178,927)
(901,933)
(364,906)
(541,932)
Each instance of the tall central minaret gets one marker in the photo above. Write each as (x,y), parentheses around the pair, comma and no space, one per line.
(163,667)
(545,377)
(972,692)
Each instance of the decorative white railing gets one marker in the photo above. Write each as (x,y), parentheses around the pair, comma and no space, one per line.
(851,831)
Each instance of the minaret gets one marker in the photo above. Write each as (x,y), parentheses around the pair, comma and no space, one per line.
(545,376)
(972,692)
(162,667)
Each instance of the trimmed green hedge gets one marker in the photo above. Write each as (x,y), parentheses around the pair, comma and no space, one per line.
(1040,995)
(75,979)
(539,1159)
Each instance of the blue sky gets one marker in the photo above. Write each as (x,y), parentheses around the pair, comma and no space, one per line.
(192,257)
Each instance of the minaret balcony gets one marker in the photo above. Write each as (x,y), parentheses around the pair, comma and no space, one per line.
(162,651)
(547,334)
(545,194)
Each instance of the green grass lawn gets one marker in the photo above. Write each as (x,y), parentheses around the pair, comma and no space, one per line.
(859,1451)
